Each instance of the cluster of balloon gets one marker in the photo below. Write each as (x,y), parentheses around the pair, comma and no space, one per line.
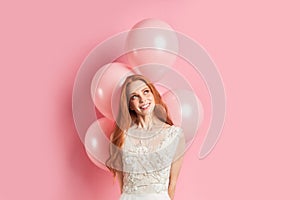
(150,44)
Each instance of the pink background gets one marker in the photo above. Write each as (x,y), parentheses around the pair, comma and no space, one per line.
(255,46)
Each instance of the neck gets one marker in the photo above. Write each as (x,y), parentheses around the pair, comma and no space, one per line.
(147,121)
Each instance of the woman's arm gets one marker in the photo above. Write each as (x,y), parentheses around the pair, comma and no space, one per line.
(119,175)
(176,166)
(175,169)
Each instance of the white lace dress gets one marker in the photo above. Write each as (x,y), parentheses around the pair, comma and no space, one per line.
(147,158)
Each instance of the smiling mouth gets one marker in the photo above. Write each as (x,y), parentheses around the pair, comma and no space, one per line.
(145,107)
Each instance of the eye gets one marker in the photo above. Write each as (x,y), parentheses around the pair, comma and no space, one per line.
(146,91)
(133,97)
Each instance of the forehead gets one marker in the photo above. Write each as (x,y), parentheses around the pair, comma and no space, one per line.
(136,86)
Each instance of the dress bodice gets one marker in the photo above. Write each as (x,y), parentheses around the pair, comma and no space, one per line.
(147,158)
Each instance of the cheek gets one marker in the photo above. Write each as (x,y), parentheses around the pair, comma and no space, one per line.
(133,105)
(151,96)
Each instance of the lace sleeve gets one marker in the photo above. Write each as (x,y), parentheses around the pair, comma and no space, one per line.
(181,144)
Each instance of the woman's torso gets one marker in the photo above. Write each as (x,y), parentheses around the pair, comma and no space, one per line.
(147,158)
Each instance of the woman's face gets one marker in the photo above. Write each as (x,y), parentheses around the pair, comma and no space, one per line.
(141,99)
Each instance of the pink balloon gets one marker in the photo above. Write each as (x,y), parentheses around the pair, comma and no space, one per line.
(173,103)
(96,162)
(96,141)
(185,110)
(106,80)
(160,88)
(151,41)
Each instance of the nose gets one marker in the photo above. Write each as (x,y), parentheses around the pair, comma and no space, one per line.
(142,98)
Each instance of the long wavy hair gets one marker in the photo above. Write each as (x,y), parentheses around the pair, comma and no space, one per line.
(127,117)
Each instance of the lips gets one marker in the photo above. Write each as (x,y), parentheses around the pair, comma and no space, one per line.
(145,106)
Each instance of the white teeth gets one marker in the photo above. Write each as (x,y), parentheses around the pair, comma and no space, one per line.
(145,106)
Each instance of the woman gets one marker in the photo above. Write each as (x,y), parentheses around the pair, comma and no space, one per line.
(146,148)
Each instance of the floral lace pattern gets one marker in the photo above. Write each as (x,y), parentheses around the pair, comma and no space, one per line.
(147,158)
